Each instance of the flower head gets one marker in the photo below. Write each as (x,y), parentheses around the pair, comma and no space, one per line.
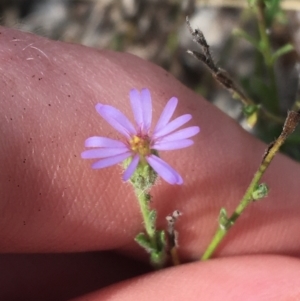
(140,145)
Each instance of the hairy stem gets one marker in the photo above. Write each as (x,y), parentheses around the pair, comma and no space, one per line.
(144,199)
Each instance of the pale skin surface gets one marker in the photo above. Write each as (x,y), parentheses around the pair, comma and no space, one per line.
(51,201)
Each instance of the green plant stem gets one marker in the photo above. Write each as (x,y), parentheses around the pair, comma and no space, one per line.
(289,126)
(246,200)
(263,32)
(144,199)
(267,52)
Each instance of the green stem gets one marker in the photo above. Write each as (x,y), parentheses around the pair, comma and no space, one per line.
(144,199)
(266,49)
(289,126)
(246,200)
(267,53)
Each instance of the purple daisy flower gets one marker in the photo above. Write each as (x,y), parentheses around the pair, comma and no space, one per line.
(140,145)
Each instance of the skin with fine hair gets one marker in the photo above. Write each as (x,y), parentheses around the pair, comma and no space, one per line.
(52,202)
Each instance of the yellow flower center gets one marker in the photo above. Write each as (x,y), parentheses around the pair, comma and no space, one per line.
(140,145)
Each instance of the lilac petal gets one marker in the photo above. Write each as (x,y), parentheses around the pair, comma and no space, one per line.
(103,152)
(96,141)
(172,126)
(164,170)
(166,114)
(173,144)
(135,101)
(146,105)
(131,168)
(111,161)
(116,119)
(181,134)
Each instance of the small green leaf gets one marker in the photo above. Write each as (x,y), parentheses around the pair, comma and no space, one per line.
(144,242)
(248,110)
(251,113)
(281,51)
(260,192)
(224,222)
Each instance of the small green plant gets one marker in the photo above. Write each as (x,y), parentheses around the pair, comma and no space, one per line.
(263,105)
(139,149)
(138,152)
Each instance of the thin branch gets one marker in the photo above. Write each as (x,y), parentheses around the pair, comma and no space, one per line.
(221,75)
(290,124)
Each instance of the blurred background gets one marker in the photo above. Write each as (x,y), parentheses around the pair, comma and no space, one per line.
(155,30)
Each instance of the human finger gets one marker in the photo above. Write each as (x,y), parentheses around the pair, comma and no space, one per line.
(51,201)
(260,278)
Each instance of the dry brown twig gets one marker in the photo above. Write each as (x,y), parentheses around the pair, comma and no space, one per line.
(221,75)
